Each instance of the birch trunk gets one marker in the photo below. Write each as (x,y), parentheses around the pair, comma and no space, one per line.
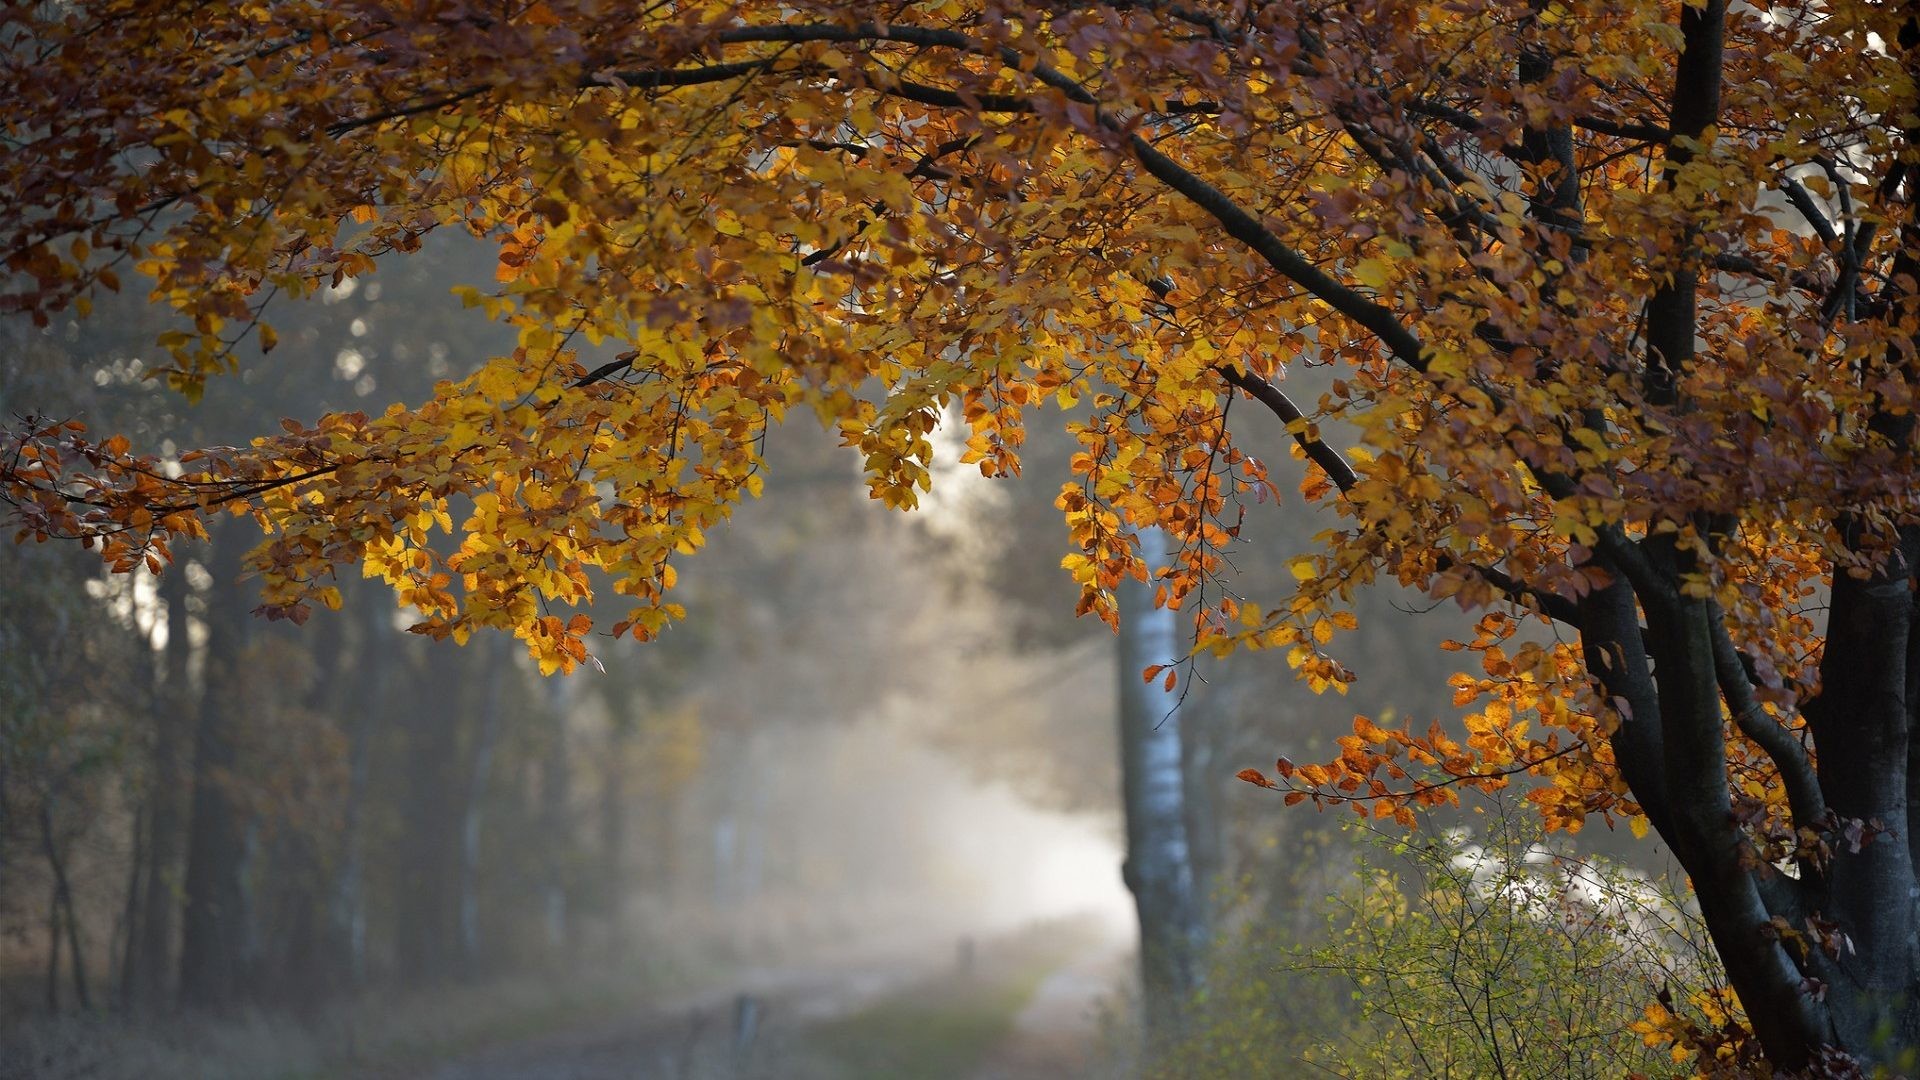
(1159,867)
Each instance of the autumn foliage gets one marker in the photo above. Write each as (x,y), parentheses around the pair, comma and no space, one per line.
(1618,299)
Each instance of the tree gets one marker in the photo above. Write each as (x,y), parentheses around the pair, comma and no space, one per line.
(1160,859)
(1621,297)
(219,951)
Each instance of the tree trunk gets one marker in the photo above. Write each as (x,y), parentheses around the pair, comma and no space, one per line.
(1856,992)
(426,903)
(153,962)
(1862,723)
(345,956)
(214,944)
(53,949)
(1159,866)
(556,798)
(63,901)
(612,874)
(127,926)
(143,675)
(1825,960)
(495,658)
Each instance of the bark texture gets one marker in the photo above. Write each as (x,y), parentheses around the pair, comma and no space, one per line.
(1159,867)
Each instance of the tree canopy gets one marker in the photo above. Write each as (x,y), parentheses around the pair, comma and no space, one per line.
(1618,302)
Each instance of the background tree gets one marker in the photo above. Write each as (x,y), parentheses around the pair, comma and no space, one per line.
(1622,299)
(362,894)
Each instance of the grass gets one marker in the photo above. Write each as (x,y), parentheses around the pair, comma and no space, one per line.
(941,1029)
(383,1034)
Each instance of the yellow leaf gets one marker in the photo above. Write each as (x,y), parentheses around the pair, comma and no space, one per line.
(1373,273)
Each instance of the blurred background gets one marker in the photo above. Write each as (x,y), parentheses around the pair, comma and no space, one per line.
(861,814)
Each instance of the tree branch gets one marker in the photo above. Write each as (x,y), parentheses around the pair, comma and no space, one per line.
(605,371)
(1341,473)
(1803,201)
(1277,402)
(1672,310)
(1553,605)
(1244,227)
(1809,807)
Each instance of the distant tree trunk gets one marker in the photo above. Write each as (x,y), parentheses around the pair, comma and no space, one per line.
(1159,866)
(6,817)
(153,949)
(53,948)
(214,944)
(426,902)
(495,658)
(143,678)
(127,926)
(556,796)
(664,865)
(297,889)
(252,960)
(346,952)
(612,872)
(63,907)
(298,934)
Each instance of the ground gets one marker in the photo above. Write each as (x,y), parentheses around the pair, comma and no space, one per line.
(1028,1006)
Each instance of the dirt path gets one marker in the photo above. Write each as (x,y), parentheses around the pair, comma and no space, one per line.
(1060,1031)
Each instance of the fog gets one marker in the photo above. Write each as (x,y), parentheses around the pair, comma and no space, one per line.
(866,761)
(859,813)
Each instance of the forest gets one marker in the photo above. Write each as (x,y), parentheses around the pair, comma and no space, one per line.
(976,539)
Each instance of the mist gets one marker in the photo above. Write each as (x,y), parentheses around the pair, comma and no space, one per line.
(861,812)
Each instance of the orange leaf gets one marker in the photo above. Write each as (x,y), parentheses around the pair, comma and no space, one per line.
(1257,778)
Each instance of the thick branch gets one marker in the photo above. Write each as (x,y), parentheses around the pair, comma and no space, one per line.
(1553,605)
(1244,227)
(1239,223)
(1809,209)
(1330,460)
(657,78)
(1796,770)
(1599,125)
(1696,106)
(1716,854)
(1614,651)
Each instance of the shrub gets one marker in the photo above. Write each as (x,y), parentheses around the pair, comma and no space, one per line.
(1467,953)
